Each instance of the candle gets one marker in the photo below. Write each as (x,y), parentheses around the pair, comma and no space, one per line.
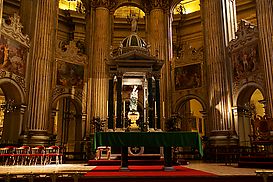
(155,107)
(124,109)
(115,108)
(107,108)
(163,109)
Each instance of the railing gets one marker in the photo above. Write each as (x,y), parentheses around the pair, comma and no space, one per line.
(25,155)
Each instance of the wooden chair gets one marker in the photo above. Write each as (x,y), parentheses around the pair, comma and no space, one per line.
(101,149)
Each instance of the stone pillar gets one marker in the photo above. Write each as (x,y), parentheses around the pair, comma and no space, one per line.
(265,26)
(119,123)
(43,44)
(89,38)
(159,30)
(111,104)
(229,19)
(218,89)
(101,42)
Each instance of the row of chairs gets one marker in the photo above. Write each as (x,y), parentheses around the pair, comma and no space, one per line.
(26,155)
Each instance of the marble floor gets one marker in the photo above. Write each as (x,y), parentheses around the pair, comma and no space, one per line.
(215,168)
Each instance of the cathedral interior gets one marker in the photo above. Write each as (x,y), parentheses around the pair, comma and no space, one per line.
(197,65)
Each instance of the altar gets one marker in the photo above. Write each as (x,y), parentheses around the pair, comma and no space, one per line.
(149,139)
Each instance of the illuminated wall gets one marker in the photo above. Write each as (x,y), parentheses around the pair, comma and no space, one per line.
(69,4)
(124,11)
(190,6)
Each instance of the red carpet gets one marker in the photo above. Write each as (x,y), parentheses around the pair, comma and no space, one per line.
(145,171)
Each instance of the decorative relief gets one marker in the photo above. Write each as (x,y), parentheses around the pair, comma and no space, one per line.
(14,47)
(109,4)
(72,52)
(13,28)
(244,53)
(20,81)
(246,33)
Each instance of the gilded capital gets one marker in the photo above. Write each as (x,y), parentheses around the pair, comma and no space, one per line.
(109,4)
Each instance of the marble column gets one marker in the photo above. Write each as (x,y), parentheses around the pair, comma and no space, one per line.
(42,55)
(101,46)
(219,110)
(89,38)
(265,26)
(158,37)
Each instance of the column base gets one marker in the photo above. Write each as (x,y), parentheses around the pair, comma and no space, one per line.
(36,138)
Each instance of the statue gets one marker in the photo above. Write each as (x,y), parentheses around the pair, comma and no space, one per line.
(133,20)
(133,114)
(133,99)
(134,24)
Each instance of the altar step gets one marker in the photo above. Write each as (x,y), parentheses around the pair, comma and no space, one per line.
(256,162)
(117,162)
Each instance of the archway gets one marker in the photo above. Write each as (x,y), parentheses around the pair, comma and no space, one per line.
(67,127)
(191,115)
(249,105)
(12,111)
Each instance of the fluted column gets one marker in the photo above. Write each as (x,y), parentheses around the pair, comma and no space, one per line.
(158,39)
(218,89)
(157,33)
(265,26)
(100,54)
(43,51)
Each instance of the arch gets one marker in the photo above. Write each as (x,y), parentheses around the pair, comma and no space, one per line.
(12,90)
(131,3)
(13,121)
(187,98)
(244,114)
(175,3)
(76,100)
(245,92)
(66,123)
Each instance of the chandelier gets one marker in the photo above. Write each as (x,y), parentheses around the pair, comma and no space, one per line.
(8,106)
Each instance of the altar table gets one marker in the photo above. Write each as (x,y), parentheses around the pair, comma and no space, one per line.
(149,139)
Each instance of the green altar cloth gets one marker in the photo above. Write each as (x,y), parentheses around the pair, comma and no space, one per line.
(149,139)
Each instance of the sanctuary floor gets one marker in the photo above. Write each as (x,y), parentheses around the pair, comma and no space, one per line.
(217,169)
